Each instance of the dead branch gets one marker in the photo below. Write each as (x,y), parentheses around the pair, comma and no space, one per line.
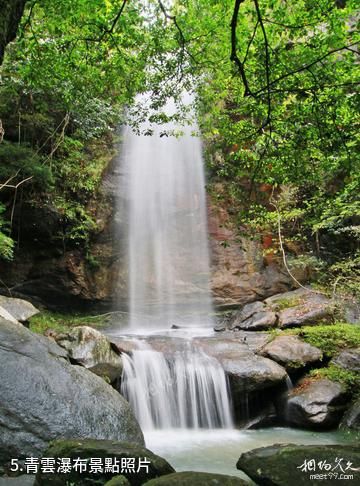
(16,186)
(304,67)
(282,249)
(2,132)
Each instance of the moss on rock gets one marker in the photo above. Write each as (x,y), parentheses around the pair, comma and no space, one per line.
(118,481)
(283,465)
(190,478)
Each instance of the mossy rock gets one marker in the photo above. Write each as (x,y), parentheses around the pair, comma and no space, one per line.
(91,448)
(190,478)
(118,481)
(284,465)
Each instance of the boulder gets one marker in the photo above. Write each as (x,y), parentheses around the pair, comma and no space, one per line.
(253,317)
(19,309)
(190,478)
(351,418)
(349,359)
(283,465)
(316,404)
(266,417)
(146,464)
(300,307)
(91,349)
(4,314)
(250,372)
(235,351)
(23,480)
(118,481)
(291,352)
(44,397)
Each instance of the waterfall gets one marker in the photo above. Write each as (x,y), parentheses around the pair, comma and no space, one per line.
(190,390)
(168,268)
(168,256)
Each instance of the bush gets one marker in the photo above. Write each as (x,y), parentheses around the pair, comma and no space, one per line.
(331,338)
(40,323)
(350,379)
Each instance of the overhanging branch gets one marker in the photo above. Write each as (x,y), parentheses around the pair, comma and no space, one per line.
(303,68)
(234,56)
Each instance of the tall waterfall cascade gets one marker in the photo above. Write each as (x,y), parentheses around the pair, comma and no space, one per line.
(189,390)
(168,268)
(168,256)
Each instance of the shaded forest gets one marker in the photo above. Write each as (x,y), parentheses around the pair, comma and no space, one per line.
(276,89)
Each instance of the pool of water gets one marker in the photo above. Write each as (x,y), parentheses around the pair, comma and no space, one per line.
(217,451)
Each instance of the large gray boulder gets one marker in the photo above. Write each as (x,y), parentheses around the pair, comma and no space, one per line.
(290,309)
(23,480)
(103,450)
(44,397)
(291,352)
(300,307)
(316,404)
(351,418)
(253,317)
(284,465)
(93,350)
(191,478)
(250,373)
(349,359)
(19,309)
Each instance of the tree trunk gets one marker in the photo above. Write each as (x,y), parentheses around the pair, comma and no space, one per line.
(10,15)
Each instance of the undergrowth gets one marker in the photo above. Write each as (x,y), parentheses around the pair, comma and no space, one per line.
(330,338)
(64,322)
(349,379)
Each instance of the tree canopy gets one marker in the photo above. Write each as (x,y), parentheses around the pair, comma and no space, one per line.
(276,89)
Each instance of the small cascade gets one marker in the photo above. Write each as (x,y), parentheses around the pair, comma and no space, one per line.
(289,383)
(190,390)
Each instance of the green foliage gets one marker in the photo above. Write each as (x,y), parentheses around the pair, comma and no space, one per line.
(349,379)
(288,149)
(63,322)
(344,276)
(19,162)
(284,303)
(64,85)
(331,338)
(6,243)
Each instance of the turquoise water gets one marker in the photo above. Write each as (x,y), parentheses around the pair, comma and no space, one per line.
(218,450)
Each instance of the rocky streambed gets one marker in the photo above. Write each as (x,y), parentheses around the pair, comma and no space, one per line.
(63,386)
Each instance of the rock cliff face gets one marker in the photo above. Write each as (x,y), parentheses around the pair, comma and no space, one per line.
(240,273)
(48,273)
